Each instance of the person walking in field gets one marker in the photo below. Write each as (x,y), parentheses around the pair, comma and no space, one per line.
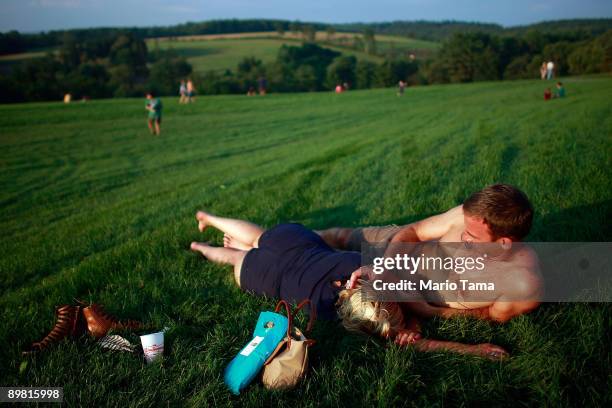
(190,91)
(183,92)
(154,107)
(401,86)
(550,70)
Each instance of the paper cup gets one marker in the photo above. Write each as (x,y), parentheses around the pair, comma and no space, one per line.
(152,346)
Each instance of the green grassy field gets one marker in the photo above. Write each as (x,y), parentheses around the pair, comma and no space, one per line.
(220,52)
(206,55)
(93,207)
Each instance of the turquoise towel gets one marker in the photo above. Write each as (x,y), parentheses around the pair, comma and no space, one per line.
(271,328)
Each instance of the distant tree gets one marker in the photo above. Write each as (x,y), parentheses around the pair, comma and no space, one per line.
(390,72)
(309,33)
(435,71)
(471,57)
(249,70)
(280,28)
(592,56)
(248,65)
(519,68)
(11,90)
(331,32)
(167,73)
(214,83)
(70,52)
(89,79)
(535,41)
(308,54)
(12,43)
(38,79)
(295,28)
(280,77)
(128,58)
(369,40)
(559,53)
(129,50)
(306,79)
(358,43)
(365,73)
(341,70)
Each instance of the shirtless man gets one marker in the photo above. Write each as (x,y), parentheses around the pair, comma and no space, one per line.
(499,214)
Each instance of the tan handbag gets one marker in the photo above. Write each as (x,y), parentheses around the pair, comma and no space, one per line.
(287,365)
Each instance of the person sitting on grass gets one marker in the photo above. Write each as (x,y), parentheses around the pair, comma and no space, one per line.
(154,106)
(292,263)
(547,94)
(560,93)
(499,213)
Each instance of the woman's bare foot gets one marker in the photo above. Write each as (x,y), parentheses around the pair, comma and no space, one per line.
(200,247)
(231,242)
(202,218)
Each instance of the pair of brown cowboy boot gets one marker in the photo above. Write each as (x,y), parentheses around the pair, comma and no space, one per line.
(74,320)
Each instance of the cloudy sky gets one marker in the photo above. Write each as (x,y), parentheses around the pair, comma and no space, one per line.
(38,15)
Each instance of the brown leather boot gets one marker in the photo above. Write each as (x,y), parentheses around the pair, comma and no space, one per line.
(99,322)
(68,323)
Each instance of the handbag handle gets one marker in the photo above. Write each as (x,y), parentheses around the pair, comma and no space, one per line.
(289,319)
(313,313)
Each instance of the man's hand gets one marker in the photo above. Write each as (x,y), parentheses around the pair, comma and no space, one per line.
(365,273)
(407,336)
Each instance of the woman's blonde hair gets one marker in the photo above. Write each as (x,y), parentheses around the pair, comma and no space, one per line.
(358,314)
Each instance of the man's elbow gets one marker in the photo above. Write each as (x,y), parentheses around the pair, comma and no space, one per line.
(503,316)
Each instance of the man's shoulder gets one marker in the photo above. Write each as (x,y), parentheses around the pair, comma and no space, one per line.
(523,282)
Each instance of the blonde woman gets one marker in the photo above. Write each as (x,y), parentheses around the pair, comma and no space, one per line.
(292,263)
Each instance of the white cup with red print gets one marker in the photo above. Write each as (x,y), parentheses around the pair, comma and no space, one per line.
(152,346)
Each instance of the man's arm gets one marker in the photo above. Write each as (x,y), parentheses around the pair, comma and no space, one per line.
(431,228)
(500,311)
(424,309)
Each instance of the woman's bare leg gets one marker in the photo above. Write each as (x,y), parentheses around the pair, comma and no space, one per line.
(487,350)
(245,232)
(220,255)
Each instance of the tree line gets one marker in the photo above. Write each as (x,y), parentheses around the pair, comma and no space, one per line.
(118,64)
(14,42)
(113,66)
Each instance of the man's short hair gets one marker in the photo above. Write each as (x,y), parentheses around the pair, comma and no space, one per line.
(506,210)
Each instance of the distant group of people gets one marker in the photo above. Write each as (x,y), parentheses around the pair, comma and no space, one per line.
(187,92)
(341,87)
(262,87)
(547,70)
(559,92)
(68,98)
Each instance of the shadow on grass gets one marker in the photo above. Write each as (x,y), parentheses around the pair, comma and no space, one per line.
(578,224)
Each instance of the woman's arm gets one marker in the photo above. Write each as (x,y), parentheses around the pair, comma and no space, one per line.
(487,350)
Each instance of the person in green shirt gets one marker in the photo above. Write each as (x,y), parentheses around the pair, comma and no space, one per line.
(560,91)
(154,107)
